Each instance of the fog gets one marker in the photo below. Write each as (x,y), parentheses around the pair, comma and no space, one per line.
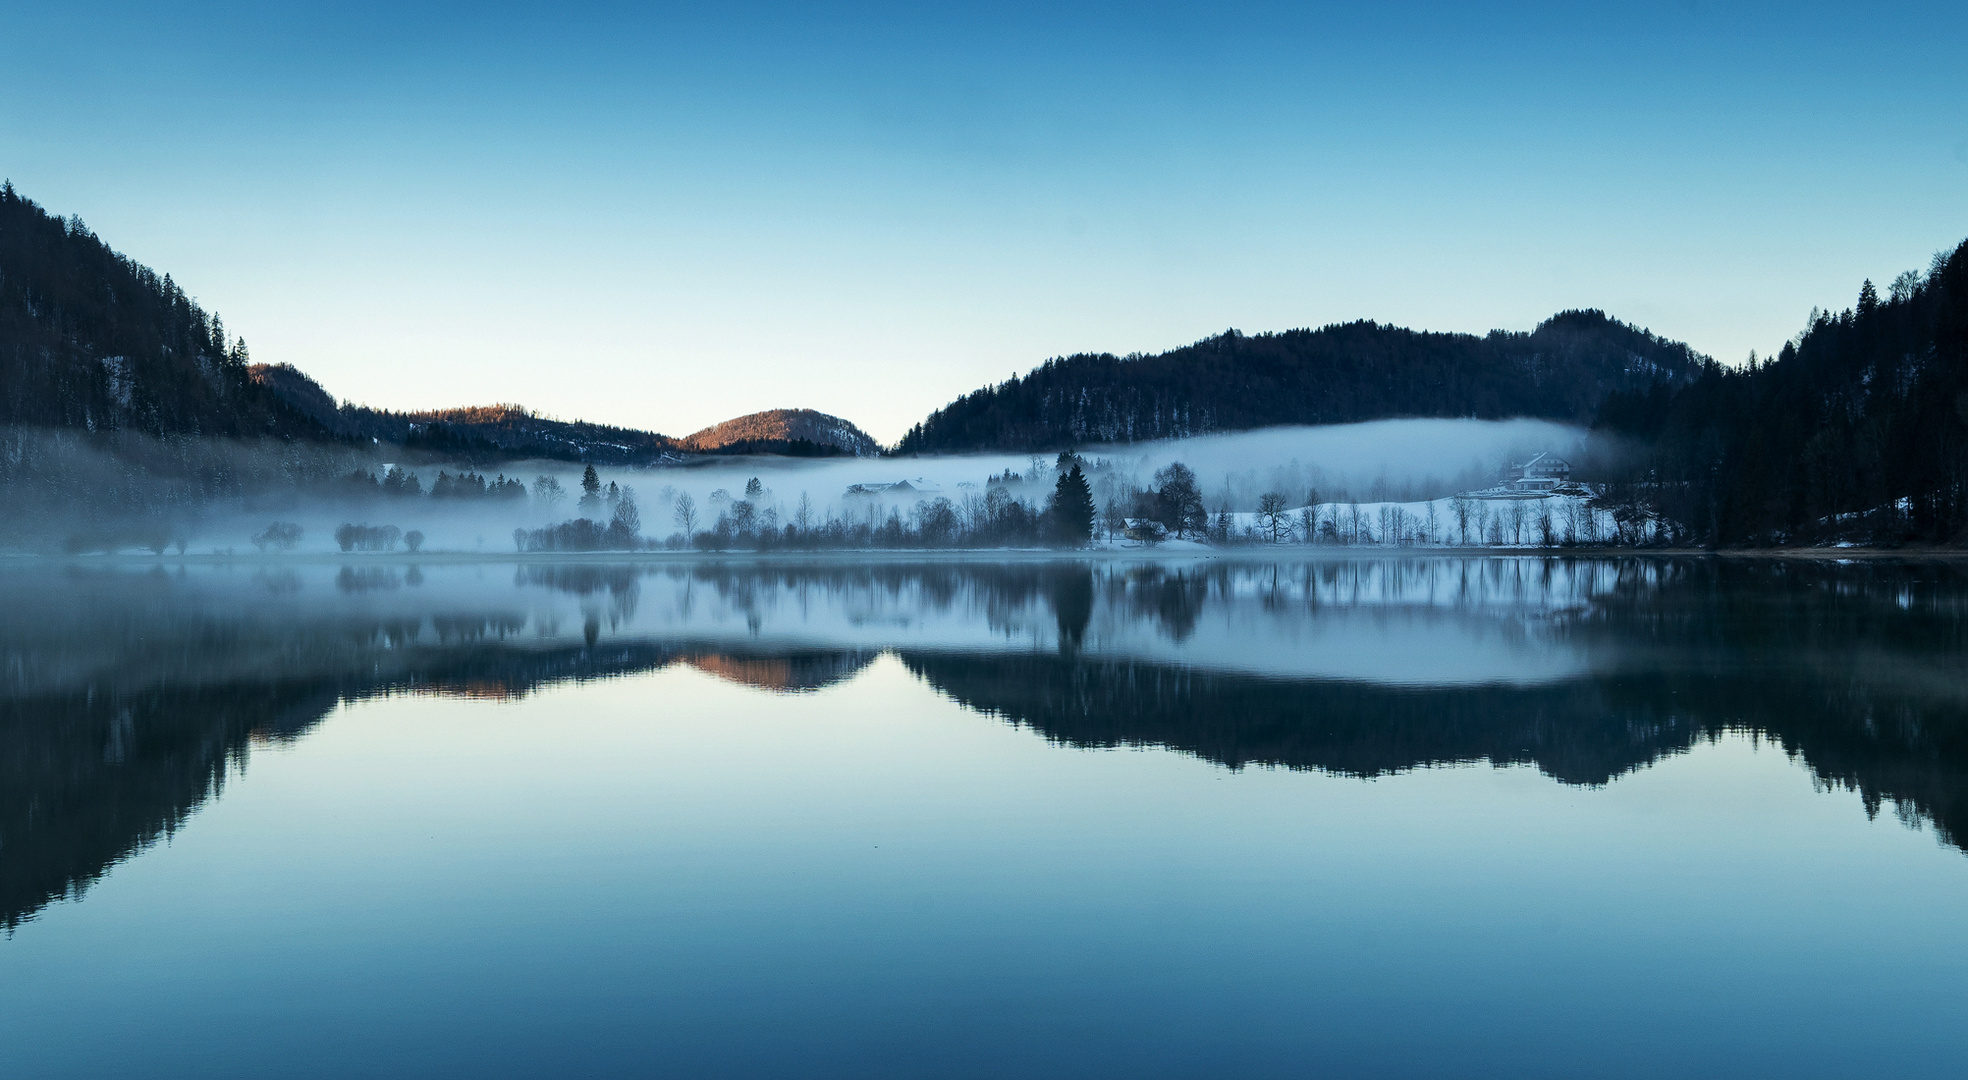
(66,491)
(1400,460)
(1410,458)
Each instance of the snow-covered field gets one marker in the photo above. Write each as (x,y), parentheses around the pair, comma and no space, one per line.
(1458,521)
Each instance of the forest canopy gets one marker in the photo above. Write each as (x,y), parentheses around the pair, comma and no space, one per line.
(1339,374)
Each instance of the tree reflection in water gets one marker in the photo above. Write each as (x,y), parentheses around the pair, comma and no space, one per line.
(127,699)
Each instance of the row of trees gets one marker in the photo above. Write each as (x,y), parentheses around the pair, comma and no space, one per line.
(396,482)
(995,518)
(352,537)
(470,485)
(1171,506)
(1469,522)
(623,531)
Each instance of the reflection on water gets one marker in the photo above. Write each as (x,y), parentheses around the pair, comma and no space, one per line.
(128,697)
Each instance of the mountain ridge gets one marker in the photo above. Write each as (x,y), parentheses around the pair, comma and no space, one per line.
(478,431)
(517,431)
(1340,373)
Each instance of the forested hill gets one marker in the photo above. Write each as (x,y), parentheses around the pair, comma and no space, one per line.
(1338,374)
(493,432)
(484,433)
(801,431)
(90,339)
(1856,430)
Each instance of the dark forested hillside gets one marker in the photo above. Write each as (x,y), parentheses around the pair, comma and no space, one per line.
(1338,374)
(1857,430)
(484,433)
(89,339)
(92,341)
(510,432)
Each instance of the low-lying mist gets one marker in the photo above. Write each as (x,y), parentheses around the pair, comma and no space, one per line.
(1384,460)
(74,492)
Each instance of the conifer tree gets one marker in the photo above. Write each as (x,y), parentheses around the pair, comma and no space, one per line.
(590,492)
(1072,508)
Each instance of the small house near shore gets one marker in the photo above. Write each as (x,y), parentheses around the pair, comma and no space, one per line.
(1542,473)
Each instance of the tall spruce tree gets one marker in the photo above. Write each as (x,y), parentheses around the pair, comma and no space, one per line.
(1072,508)
(590,492)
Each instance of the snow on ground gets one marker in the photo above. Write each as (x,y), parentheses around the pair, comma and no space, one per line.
(1463,521)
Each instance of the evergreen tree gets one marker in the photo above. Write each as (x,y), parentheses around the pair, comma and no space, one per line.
(1072,508)
(590,492)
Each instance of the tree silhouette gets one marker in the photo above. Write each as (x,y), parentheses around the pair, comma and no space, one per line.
(590,492)
(686,516)
(1072,508)
(1271,517)
(1178,501)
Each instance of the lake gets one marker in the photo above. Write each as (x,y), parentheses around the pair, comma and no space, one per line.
(1420,817)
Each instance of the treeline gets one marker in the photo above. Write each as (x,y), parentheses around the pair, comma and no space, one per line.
(1857,430)
(353,537)
(805,448)
(1172,506)
(998,517)
(616,503)
(1339,374)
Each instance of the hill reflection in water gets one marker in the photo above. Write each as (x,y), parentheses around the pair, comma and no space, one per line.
(127,697)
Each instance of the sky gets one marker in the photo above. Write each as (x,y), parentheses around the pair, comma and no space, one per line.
(663,216)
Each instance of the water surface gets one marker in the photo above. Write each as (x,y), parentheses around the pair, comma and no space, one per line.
(1431,817)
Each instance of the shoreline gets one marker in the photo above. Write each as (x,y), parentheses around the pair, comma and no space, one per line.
(1280,553)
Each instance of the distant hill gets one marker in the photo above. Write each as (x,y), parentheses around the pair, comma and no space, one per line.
(1338,374)
(783,431)
(488,432)
(89,339)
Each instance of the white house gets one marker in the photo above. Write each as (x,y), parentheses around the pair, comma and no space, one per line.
(1542,473)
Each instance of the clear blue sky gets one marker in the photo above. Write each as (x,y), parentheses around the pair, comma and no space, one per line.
(666,216)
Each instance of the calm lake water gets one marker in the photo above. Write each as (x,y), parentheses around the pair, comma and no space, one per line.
(1432,817)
